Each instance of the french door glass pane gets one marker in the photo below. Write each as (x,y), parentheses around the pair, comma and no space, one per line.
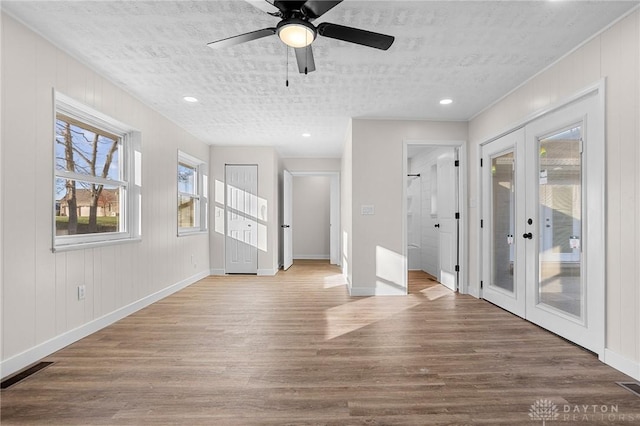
(503,198)
(560,212)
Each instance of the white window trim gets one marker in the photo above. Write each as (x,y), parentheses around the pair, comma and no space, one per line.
(130,177)
(202,183)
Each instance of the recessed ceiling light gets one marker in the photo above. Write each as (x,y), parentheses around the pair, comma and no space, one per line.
(446,101)
(190,99)
(306,135)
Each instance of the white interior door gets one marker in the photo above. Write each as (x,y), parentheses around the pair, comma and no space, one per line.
(334,221)
(287,220)
(447,177)
(241,204)
(504,222)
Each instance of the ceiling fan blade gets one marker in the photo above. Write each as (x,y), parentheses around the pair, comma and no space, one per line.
(355,35)
(263,5)
(313,9)
(287,6)
(242,38)
(304,57)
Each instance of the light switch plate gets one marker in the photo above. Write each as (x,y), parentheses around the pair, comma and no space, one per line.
(367,210)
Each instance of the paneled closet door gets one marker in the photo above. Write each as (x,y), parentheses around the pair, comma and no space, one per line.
(504,222)
(241,204)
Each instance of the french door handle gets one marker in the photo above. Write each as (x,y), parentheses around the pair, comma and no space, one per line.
(285,226)
(528,235)
(437,225)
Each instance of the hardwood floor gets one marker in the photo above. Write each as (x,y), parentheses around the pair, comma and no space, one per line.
(295,349)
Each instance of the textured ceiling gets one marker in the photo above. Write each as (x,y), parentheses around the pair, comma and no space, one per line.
(473,52)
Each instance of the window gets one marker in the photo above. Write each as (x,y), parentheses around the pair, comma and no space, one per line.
(96,201)
(192,194)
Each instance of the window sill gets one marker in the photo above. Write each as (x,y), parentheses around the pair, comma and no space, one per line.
(187,233)
(94,244)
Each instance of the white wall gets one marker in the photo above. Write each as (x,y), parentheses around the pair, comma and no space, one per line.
(311,217)
(268,166)
(309,165)
(40,310)
(614,55)
(377,162)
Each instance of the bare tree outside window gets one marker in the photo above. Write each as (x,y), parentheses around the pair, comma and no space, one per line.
(188,196)
(84,206)
(192,194)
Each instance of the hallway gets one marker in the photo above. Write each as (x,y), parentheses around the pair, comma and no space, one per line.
(295,349)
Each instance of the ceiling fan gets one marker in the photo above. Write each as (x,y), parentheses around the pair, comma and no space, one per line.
(296,30)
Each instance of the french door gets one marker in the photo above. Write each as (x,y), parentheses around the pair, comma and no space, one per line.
(544,257)
(504,213)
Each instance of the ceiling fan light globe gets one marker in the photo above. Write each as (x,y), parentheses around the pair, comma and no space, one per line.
(296,33)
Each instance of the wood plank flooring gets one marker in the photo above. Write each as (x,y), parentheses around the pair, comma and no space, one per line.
(295,349)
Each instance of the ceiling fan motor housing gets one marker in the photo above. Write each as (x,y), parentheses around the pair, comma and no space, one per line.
(296,32)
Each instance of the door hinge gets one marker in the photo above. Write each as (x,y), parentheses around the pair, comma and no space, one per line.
(481,223)
(481,162)
(457,269)
(481,284)
(457,215)
(456,163)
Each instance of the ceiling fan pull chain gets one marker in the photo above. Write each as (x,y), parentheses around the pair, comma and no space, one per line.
(286,49)
(306,52)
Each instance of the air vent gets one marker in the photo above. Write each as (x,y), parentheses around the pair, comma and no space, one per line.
(16,378)
(632,387)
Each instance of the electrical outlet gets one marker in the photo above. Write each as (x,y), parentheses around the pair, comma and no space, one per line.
(81,292)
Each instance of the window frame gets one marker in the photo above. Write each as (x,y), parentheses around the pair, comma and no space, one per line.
(201,184)
(129,180)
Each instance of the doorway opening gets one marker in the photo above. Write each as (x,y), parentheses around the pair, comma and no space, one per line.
(433,216)
(311,217)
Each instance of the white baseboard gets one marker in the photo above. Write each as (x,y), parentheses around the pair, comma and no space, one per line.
(30,356)
(626,365)
(265,271)
(375,291)
(311,257)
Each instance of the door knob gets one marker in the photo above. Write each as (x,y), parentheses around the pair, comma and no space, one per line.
(285,226)
(528,235)
(437,225)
